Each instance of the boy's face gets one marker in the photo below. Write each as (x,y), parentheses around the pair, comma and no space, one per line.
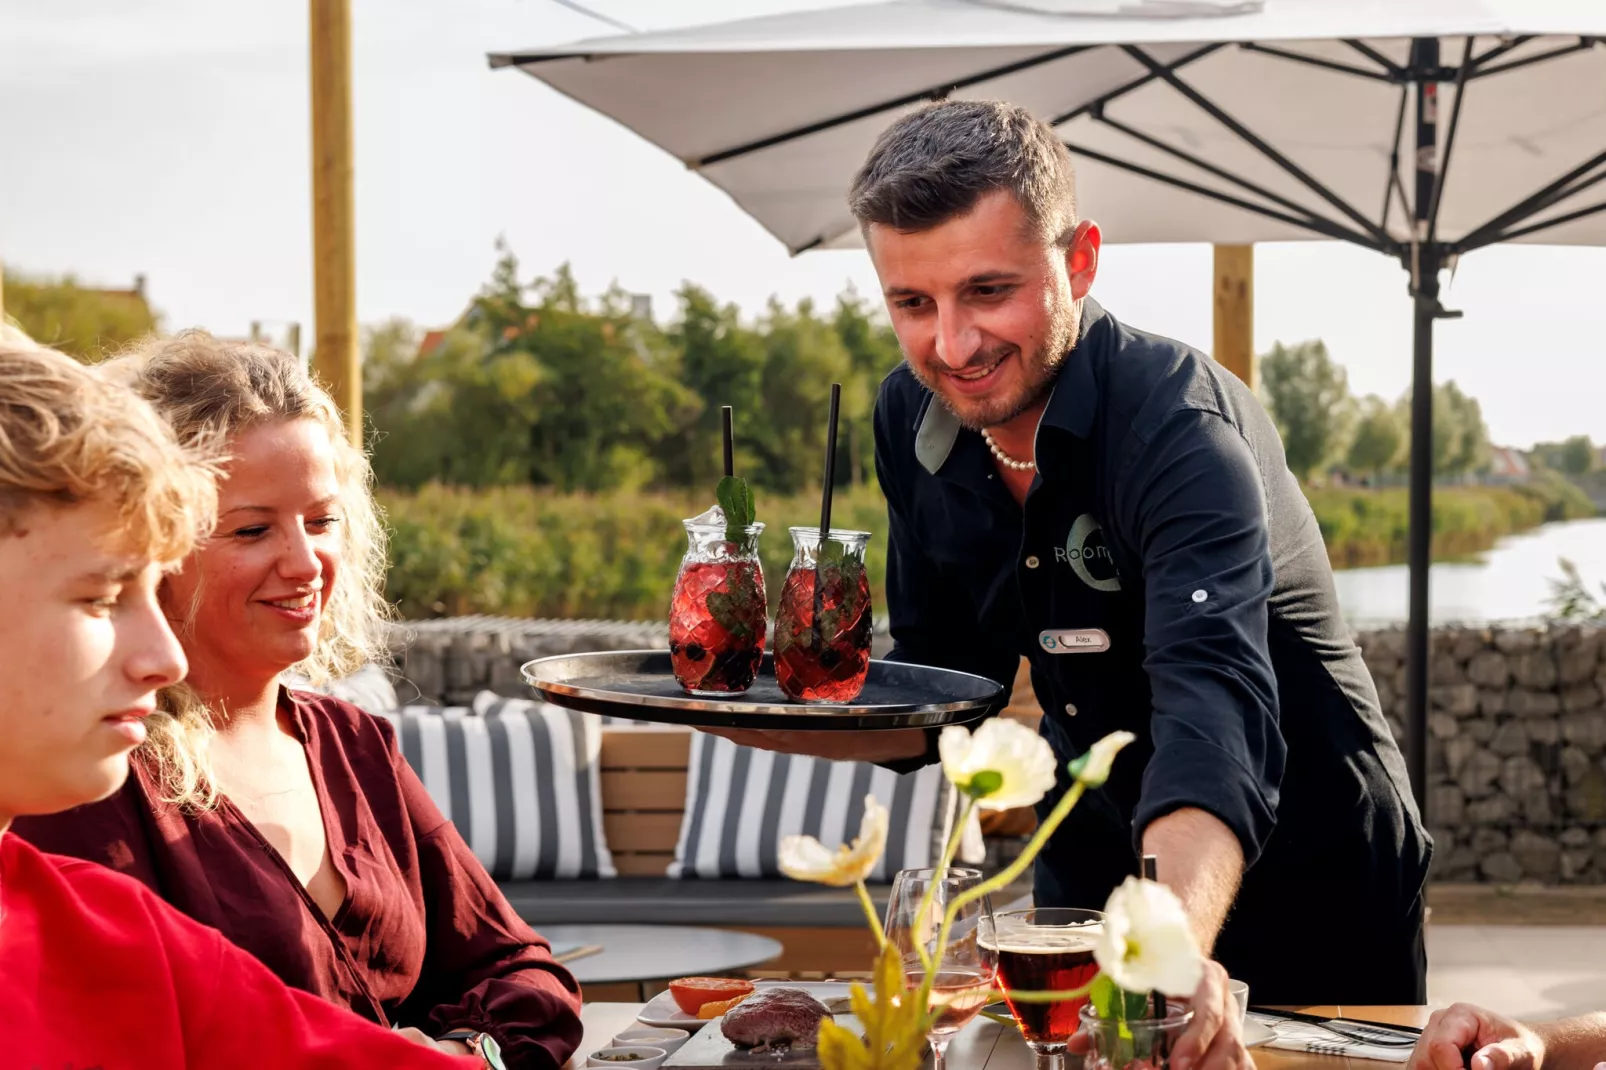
(83,650)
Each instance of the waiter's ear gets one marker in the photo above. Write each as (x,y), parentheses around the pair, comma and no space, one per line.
(1082,257)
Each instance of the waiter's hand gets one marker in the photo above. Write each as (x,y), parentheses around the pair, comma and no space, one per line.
(1464,1036)
(837,746)
(1215,1038)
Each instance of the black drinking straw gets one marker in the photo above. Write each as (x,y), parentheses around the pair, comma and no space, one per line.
(1151,871)
(730,440)
(825,510)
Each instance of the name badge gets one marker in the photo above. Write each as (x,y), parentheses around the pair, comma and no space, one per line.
(1074,641)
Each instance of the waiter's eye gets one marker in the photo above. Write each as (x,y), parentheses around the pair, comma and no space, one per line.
(910,304)
(994,290)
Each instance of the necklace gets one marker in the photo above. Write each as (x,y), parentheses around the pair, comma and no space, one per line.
(1005,459)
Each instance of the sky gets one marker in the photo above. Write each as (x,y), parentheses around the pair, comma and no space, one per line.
(169,138)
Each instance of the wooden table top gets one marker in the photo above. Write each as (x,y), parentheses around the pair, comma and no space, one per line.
(987,1045)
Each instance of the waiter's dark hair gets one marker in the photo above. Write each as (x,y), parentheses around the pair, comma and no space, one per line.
(935,164)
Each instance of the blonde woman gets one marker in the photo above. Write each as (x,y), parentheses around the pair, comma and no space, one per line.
(287,820)
(95,498)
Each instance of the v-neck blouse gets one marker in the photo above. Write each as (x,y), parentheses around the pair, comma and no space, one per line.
(424,937)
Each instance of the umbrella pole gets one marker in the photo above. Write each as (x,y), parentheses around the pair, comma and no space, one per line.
(1426,260)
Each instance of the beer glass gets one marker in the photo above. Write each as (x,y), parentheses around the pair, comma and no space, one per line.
(964,974)
(1047,949)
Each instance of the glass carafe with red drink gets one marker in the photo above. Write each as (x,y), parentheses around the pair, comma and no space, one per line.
(718,614)
(822,628)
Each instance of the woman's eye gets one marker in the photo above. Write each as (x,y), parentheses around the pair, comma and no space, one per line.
(251,532)
(102,603)
(324,523)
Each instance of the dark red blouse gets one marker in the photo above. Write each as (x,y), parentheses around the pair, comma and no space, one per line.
(424,938)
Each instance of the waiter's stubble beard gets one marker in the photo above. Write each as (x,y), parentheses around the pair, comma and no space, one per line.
(1040,370)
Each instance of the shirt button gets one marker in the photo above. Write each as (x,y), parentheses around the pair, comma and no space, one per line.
(1200,595)
(1031,562)
(1070,709)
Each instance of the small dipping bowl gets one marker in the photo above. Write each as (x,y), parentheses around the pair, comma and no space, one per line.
(670,1040)
(633,1055)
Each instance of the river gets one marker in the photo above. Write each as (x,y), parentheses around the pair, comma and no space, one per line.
(1509,582)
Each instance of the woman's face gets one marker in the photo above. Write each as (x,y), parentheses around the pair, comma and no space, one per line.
(253,594)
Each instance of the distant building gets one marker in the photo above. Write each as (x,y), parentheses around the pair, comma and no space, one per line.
(1507,465)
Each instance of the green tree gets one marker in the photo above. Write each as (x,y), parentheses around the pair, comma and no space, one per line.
(721,363)
(89,324)
(1308,395)
(1577,455)
(873,351)
(1378,438)
(802,358)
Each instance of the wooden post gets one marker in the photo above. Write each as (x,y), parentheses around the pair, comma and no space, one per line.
(334,261)
(1235,310)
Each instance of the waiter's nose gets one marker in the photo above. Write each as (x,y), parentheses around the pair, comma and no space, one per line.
(957,337)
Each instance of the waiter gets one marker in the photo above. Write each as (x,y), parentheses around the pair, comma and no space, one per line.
(1117,508)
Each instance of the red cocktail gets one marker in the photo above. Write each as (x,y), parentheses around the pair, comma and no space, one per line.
(822,630)
(718,614)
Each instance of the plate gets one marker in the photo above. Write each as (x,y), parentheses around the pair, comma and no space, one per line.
(640,685)
(662,1011)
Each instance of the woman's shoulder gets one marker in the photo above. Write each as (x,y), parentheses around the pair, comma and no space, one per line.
(349,725)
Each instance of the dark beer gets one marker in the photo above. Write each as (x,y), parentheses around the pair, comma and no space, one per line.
(1043,960)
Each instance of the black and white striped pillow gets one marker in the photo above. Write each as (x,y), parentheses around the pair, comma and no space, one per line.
(522,782)
(740,802)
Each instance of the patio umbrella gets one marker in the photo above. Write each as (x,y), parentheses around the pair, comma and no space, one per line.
(1420,129)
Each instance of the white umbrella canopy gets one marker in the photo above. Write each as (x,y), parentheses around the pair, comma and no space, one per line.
(779,112)
(1421,129)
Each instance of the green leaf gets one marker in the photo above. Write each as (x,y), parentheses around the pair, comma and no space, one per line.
(1106,997)
(736,499)
(984,783)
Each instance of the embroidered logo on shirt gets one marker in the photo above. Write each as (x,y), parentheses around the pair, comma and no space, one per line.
(1085,551)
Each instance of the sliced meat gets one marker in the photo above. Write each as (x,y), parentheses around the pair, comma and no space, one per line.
(773,1018)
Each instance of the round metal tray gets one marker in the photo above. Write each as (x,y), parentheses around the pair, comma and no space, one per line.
(640,685)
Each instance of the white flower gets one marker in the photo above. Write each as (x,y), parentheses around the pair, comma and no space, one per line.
(804,858)
(1004,765)
(1147,942)
(1093,768)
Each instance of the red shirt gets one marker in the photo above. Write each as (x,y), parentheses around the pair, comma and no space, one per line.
(96,973)
(425,938)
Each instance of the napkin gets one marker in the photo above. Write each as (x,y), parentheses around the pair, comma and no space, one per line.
(1310,1037)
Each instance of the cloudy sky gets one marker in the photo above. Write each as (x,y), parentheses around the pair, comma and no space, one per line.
(170,138)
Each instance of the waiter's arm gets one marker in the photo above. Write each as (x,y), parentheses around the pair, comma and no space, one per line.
(1195,506)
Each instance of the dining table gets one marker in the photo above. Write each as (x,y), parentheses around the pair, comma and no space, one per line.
(989,1045)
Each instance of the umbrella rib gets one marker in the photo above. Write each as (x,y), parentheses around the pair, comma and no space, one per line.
(1558,190)
(1394,183)
(1316,61)
(1395,71)
(936,92)
(1477,241)
(1314,223)
(1254,141)
(1203,164)
(1132,86)
(1449,142)
(1584,44)
(1534,228)
(1499,50)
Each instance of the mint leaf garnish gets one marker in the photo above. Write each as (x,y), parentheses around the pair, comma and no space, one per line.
(736,499)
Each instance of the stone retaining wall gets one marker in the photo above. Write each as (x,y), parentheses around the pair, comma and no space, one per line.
(1517,732)
(1516,738)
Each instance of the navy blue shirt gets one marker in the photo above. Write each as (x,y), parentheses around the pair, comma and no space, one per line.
(1166,576)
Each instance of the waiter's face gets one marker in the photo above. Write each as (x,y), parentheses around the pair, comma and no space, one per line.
(984,306)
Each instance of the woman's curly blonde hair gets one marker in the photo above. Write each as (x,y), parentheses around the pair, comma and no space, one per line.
(210,390)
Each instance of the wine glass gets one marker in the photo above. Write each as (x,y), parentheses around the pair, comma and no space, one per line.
(1047,949)
(964,974)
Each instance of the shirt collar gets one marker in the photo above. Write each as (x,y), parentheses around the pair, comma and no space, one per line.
(1071,404)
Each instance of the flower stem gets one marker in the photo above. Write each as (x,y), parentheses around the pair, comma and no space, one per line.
(869,912)
(1026,995)
(949,849)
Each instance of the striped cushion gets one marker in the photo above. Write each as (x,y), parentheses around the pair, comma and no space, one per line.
(522,783)
(740,802)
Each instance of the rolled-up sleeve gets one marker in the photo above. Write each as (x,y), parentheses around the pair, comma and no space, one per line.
(1195,501)
(484,969)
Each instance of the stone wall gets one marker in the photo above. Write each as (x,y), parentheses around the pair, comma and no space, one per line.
(1517,732)
(1516,738)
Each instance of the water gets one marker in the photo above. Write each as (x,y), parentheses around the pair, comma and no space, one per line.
(1510,582)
